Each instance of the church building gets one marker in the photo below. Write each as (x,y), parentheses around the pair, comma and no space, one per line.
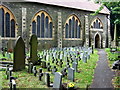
(56,24)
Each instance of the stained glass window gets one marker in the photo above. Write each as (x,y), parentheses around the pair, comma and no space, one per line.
(7,23)
(72,27)
(44,25)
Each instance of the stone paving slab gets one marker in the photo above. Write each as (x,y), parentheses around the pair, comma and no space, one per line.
(103,75)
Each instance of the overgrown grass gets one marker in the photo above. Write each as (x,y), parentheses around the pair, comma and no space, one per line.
(112,57)
(82,79)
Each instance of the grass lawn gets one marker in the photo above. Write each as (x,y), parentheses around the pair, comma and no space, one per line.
(82,79)
(112,58)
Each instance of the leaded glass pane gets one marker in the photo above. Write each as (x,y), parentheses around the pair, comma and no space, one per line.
(42,25)
(66,31)
(51,28)
(12,28)
(38,26)
(7,25)
(70,28)
(46,27)
(34,27)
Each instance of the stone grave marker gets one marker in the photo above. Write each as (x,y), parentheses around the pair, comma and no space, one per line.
(64,72)
(33,49)
(71,74)
(74,66)
(47,79)
(30,67)
(44,64)
(34,71)
(19,55)
(40,74)
(9,45)
(57,84)
(54,70)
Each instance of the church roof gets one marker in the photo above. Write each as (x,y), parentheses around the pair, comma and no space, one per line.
(82,5)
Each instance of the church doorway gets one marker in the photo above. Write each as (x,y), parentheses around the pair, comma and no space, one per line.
(97,41)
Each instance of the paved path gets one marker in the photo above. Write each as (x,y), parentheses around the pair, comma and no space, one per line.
(103,74)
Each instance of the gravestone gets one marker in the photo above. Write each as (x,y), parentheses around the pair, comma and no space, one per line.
(74,66)
(43,64)
(47,79)
(19,55)
(57,84)
(64,73)
(71,74)
(34,70)
(40,74)
(33,49)
(30,66)
(9,45)
(54,70)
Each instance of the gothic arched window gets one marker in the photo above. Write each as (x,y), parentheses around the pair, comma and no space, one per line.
(43,27)
(8,22)
(97,24)
(72,27)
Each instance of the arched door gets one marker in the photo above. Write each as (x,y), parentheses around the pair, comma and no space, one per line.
(97,41)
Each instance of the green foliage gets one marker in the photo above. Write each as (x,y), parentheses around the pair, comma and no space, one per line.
(113,57)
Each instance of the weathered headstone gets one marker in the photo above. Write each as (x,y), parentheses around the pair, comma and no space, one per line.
(47,79)
(74,65)
(12,83)
(33,49)
(64,73)
(9,45)
(71,74)
(19,55)
(34,70)
(43,64)
(57,84)
(54,70)
(30,66)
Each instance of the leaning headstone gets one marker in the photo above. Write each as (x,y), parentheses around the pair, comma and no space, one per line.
(19,55)
(71,74)
(33,49)
(57,84)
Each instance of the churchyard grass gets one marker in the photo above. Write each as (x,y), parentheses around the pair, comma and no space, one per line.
(7,59)
(112,57)
(83,77)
